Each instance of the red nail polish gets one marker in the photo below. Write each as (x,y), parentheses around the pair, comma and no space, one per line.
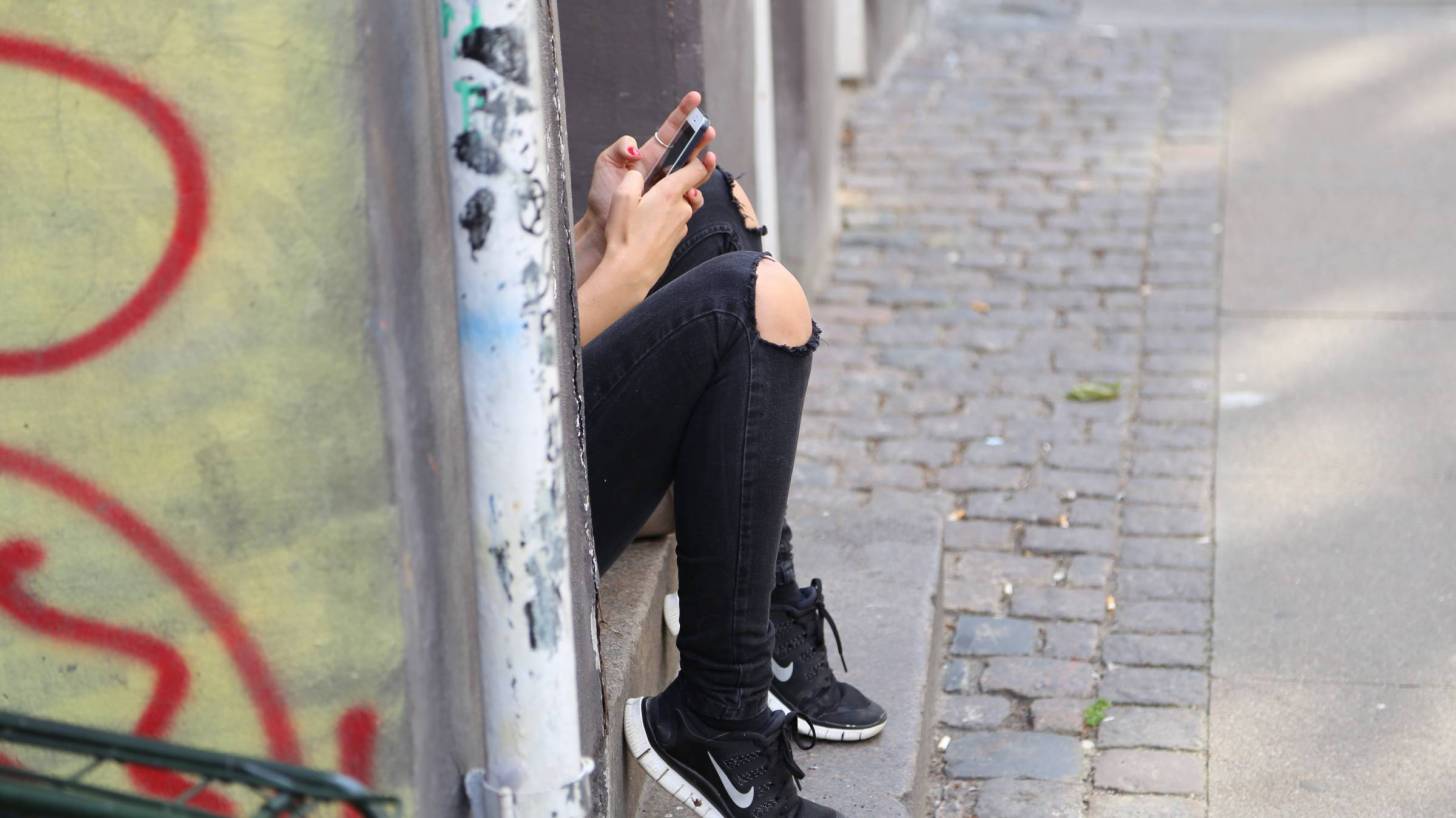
(631,151)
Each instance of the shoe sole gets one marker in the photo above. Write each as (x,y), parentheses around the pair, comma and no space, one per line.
(821,732)
(657,766)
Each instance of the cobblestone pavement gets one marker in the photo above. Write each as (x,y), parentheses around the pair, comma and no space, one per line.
(1030,204)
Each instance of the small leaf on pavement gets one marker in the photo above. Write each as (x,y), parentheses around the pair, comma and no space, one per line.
(1087,391)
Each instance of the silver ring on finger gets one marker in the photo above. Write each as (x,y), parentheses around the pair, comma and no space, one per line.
(659,141)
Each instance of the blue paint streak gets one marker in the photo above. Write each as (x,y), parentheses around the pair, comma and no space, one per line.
(489,329)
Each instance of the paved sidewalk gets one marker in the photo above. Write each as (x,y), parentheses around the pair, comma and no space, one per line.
(1031,204)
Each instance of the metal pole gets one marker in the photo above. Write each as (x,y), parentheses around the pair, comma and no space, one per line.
(500,169)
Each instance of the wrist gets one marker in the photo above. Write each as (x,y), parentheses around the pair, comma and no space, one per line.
(586,225)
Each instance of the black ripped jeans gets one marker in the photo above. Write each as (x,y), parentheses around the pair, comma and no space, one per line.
(682,390)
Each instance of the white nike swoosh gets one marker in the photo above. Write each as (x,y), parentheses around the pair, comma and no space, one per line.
(781,672)
(743,800)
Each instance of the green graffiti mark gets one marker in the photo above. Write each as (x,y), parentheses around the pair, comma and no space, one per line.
(447,16)
(467,91)
(474,16)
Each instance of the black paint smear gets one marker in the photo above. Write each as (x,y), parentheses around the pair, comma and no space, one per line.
(476,218)
(502,50)
(531,623)
(472,149)
(532,199)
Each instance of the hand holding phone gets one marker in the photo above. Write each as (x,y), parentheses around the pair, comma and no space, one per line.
(680,150)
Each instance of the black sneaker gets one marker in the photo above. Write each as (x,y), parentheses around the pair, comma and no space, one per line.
(803,680)
(719,775)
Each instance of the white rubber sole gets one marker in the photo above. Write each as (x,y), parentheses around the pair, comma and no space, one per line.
(821,732)
(656,766)
(672,614)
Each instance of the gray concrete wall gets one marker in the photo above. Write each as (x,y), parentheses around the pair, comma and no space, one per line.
(727,37)
(625,65)
(417,349)
(887,22)
(806,101)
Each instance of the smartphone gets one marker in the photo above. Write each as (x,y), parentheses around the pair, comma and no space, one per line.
(680,150)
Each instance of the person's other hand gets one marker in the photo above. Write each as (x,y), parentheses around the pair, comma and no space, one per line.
(643,229)
(612,164)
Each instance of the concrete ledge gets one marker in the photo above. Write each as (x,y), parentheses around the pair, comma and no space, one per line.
(638,656)
(881,568)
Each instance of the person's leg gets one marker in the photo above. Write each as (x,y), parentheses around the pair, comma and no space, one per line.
(727,223)
(804,678)
(703,384)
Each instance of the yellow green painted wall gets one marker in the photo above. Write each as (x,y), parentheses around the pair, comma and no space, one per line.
(242,420)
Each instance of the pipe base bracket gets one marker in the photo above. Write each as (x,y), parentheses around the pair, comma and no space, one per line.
(570,800)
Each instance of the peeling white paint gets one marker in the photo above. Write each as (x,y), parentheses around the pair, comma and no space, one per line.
(492,87)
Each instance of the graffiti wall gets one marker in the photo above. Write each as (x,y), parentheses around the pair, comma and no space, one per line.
(197,540)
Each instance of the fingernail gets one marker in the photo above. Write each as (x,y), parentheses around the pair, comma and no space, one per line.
(631,151)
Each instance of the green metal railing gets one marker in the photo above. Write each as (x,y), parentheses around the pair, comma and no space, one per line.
(281,789)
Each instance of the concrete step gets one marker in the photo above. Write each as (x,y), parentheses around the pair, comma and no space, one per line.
(638,656)
(881,571)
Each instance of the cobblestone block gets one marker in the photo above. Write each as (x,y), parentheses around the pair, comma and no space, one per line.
(875,428)
(1199,388)
(1093,513)
(974,712)
(1128,685)
(960,427)
(1070,640)
(922,401)
(1059,603)
(979,534)
(1177,410)
(998,452)
(1059,715)
(1088,572)
(1150,771)
(1039,678)
(1177,364)
(1177,436)
(1170,650)
(1168,491)
(1030,505)
(961,675)
(1000,567)
(1049,540)
(1115,805)
(815,473)
(1164,521)
(892,475)
(981,478)
(1020,798)
(1065,482)
(1173,463)
(1162,617)
(926,451)
(1016,754)
(1164,728)
(1162,583)
(1162,552)
(990,636)
(1106,458)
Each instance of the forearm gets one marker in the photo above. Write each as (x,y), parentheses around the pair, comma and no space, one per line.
(606,297)
(589,243)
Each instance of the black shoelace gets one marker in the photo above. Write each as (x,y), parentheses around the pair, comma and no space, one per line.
(779,750)
(811,622)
